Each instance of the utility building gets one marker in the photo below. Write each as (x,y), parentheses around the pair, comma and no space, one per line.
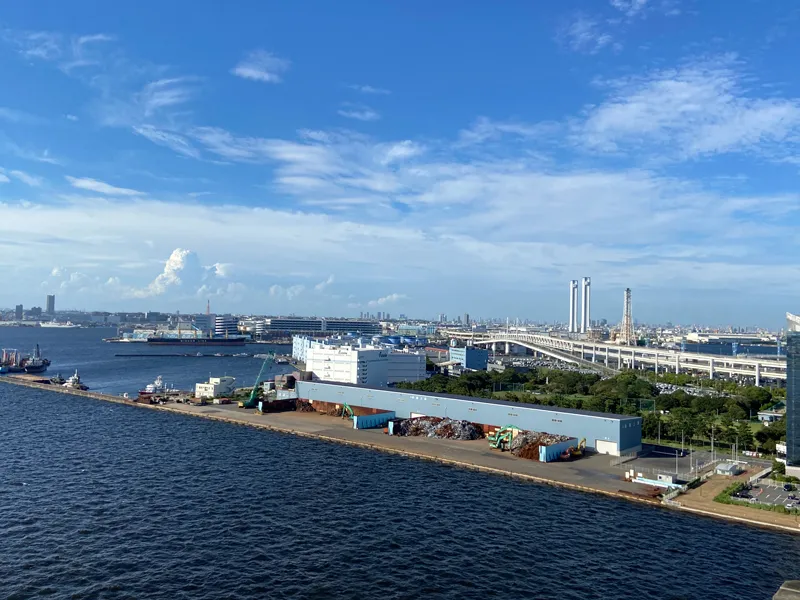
(604,433)
(470,357)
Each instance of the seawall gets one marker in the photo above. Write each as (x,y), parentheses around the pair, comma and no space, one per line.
(424,449)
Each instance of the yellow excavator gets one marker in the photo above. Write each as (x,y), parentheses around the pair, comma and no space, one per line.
(574,452)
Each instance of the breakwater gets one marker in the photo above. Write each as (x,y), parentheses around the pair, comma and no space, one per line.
(456,454)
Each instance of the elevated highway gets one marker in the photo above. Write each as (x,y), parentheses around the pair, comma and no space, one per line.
(613,356)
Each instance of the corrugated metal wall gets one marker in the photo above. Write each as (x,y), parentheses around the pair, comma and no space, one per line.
(626,433)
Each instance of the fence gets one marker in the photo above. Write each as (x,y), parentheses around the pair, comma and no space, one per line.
(623,458)
(760,475)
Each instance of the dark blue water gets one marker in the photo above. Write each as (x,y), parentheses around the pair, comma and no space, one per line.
(83,349)
(110,501)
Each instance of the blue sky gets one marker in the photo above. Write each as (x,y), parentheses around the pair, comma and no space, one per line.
(414,157)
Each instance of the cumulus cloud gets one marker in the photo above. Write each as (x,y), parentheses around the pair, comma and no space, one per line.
(260,65)
(369,89)
(279,291)
(184,273)
(359,112)
(390,299)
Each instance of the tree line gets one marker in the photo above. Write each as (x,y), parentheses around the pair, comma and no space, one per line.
(677,415)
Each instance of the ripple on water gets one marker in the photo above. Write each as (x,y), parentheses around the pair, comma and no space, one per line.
(123,503)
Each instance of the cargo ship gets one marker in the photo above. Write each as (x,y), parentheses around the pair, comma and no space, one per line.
(167,340)
(11,361)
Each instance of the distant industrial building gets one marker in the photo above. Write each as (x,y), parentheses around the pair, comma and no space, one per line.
(206,323)
(793,395)
(217,387)
(35,312)
(604,433)
(300,325)
(470,357)
(337,360)
(226,325)
(51,304)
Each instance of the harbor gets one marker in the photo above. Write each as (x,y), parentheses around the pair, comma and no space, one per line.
(593,473)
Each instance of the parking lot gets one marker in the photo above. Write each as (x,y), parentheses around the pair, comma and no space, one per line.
(774,494)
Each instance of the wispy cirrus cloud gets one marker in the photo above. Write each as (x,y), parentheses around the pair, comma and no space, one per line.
(168,139)
(100,187)
(369,89)
(359,112)
(260,65)
(26,178)
(583,33)
(700,108)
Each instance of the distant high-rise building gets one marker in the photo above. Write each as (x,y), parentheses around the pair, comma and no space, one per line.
(573,306)
(386,316)
(35,311)
(586,304)
(380,314)
(51,304)
(793,394)
(466,319)
(18,312)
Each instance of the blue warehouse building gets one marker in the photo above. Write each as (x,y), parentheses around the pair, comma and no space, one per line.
(470,357)
(605,433)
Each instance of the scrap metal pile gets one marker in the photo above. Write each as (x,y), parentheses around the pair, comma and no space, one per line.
(436,427)
(304,406)
(526,443)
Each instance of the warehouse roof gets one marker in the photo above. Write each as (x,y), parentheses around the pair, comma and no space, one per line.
(523,405)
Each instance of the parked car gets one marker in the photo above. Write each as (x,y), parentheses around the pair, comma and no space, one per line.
(790,506)
(788,487)
(791,497)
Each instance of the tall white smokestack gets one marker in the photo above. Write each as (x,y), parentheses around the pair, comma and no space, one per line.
(586,304)
(573,306)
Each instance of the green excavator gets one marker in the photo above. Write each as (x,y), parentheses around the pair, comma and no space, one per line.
(252,401)
(501,439)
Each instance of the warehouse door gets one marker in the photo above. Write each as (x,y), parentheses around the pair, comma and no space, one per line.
(606,447)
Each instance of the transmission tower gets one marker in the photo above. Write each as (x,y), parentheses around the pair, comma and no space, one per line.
(626,335)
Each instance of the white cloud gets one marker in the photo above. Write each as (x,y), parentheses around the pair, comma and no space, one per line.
(291,292)
(71,117)
(401,151)
(390,299)
(359,112)
(27,179)
(368,89)
(42,45)
(17,116)
(629,7)
(4,178)
(700,108)
(320,287)
(260,65)
(173,141)
(100,187)
(164,93)
(584,34)
(484,129)
(95,38)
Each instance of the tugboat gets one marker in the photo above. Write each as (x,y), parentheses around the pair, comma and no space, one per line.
(157,387)
(35,363)
(74,382)
(58,380)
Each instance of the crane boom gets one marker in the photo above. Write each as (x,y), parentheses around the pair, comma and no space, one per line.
(253,399)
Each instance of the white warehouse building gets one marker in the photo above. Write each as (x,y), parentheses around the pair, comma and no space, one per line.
(362,365)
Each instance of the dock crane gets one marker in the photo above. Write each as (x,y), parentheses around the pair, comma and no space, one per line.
(252,401)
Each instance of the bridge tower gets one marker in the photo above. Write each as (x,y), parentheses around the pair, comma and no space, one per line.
(626,334)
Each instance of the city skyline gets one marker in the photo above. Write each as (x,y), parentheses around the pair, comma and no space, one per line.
(276,164)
